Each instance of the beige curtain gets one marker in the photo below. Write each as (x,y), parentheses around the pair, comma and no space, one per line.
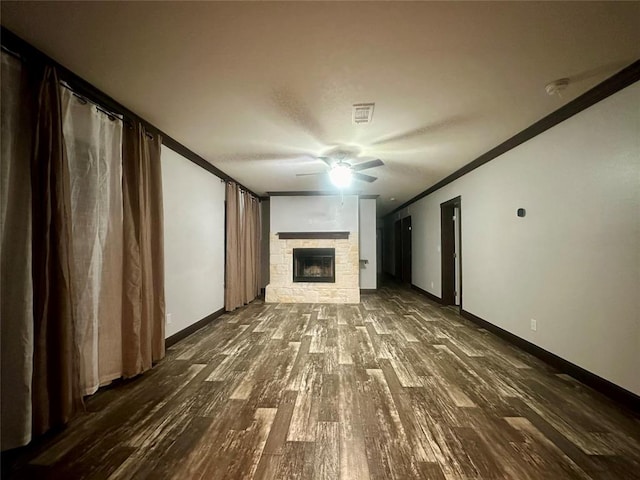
(252,234)
(56,391)
(16,287)
(243,230)
(233,288)
(143,307)
(93,142)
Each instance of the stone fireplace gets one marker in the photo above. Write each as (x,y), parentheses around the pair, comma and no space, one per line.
(313,249)
(288,286)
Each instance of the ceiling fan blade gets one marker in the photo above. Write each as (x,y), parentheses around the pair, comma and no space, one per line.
(326,160)
(305,174)
(370,164)
(363,177)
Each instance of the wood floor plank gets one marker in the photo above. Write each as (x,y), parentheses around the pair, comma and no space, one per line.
(353,458)
(540,447)
(267,467)
(169,456)
(297,461)
(307,407)
(326,465)
(329,398)
(280,427)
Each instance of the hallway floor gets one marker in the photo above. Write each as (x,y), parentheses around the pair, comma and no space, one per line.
(396,387)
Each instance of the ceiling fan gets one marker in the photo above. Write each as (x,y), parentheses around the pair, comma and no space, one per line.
(342,172)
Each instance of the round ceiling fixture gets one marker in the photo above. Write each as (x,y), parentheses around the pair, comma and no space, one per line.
(340,174)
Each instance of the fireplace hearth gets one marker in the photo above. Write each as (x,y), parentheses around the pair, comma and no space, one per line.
(314,265)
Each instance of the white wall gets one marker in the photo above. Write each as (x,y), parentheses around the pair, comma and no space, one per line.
(573,263)
(317,213)
(367,216)
(193,241)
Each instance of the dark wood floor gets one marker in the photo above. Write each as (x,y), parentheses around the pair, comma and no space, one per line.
(396,387)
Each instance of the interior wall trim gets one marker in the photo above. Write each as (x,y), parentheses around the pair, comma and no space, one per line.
(313,235)
(430,296)
(608,87)
(28,52)
(184,333)
(318,193)
(611,390)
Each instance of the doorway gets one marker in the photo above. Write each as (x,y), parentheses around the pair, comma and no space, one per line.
(451,230)
(398,249)
(379,255)
(403,250)
(406,250)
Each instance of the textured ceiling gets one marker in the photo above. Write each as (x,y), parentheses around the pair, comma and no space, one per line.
(260,88)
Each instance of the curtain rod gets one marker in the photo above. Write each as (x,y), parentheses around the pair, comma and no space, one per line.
(101,108)
(242,189)
(12,53)
(83,99)
(28,53)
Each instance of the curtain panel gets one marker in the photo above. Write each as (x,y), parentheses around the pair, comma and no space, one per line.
(253,230)
(93,143)
(233,290)
(16,287)
(143,300)
(56,375)
(242,264)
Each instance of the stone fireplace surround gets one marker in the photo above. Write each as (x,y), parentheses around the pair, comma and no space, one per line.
(346,288)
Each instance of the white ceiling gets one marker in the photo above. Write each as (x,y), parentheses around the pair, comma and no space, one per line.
(259,88)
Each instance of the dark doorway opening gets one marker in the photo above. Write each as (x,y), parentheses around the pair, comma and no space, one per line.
(403,250)
(380,254)
(406,250)
(450,228)
(398,249)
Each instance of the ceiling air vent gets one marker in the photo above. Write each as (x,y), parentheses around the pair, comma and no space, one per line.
(362,113)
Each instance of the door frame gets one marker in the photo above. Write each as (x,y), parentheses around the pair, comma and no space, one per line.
(447,250)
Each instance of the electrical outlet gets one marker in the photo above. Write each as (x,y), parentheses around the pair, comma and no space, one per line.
(168,319)
(431,284)
(534,325)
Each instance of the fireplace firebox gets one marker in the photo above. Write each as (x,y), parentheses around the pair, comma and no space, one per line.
(314,265)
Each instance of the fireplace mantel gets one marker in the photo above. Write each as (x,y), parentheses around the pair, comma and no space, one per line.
(313,235)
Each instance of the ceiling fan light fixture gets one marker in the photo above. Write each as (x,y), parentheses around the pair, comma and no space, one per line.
(340,175)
